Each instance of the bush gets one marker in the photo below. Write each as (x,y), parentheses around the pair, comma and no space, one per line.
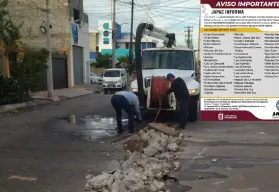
(9,91)
(29,71)
(25,79)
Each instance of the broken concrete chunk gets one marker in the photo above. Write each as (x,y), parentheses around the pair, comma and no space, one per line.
(118,175)
(100,181)
(139,187)
(176,165)
(88,187)
(172,147)
(152,149)
(118,186)
(89,177)
(159,185)
(163,128)
(152,188)
(177,140)
(105,190)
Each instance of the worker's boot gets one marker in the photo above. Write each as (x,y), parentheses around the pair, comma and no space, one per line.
(180,128)
(131,131)
(120,131)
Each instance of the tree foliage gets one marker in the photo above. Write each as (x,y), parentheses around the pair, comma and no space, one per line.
(102,61)
(9,32)
(25,79)
(122,61)
(28,66)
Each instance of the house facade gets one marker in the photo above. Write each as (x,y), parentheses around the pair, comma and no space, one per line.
(69,37)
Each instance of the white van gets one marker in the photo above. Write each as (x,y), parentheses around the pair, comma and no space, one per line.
(114,79)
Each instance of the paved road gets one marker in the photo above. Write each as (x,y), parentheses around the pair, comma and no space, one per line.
(230,157)
(41,152)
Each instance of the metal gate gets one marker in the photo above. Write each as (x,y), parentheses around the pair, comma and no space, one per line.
(59,71)
(78,65)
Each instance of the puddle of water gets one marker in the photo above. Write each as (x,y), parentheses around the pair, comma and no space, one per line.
(92,127)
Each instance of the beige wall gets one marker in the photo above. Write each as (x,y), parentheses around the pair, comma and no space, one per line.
(29,12)
(92,41)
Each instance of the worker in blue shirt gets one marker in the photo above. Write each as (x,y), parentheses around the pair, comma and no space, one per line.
(129,102)
(180,90)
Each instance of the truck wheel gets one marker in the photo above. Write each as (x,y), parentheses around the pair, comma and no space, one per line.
(193,111)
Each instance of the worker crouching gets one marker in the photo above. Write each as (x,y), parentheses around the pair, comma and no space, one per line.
(180,90)
(127,101)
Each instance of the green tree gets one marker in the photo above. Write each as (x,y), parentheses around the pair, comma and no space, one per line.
(9,32)
(26,77)
(102,61)
(122,61)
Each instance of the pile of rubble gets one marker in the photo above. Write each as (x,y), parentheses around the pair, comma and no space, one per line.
(144,169)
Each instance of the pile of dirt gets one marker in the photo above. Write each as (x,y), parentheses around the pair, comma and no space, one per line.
(135,143)
(151,156)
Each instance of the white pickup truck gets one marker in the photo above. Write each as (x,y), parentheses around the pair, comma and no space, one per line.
(178,61)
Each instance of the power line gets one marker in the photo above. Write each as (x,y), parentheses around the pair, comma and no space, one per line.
(164,2)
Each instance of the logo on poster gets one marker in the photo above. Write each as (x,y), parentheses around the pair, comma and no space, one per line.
(275,115)
(220,116)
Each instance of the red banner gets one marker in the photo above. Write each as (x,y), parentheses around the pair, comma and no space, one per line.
(229,116)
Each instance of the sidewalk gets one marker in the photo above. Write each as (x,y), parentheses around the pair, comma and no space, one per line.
(58,94)
(67,93)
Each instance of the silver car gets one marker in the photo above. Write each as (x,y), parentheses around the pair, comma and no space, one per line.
(95,79)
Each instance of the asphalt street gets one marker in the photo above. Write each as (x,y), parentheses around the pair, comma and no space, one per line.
(42,150)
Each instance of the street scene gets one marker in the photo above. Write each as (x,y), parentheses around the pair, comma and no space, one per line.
(115,96)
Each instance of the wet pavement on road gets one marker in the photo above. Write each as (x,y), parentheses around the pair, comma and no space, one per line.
(40,152)
(52,148)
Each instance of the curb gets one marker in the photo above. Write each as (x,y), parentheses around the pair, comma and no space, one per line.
(10,107)
(37,101)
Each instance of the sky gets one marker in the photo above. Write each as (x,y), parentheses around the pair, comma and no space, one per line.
(171,15)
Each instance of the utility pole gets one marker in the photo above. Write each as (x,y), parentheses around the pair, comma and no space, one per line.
(188,38)
(113,34)
(131,35)
(49,62)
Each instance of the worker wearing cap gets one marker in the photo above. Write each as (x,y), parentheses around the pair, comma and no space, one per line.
(180,90)
(129,102)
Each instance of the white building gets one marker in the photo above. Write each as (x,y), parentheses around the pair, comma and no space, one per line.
(79,49)
(105,35)
(122,39)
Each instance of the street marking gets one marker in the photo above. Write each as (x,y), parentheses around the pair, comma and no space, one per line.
(23,178)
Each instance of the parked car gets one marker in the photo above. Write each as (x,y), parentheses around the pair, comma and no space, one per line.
(94,78)
(114,79)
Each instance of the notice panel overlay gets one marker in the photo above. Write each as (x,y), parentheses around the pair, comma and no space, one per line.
(239,46)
